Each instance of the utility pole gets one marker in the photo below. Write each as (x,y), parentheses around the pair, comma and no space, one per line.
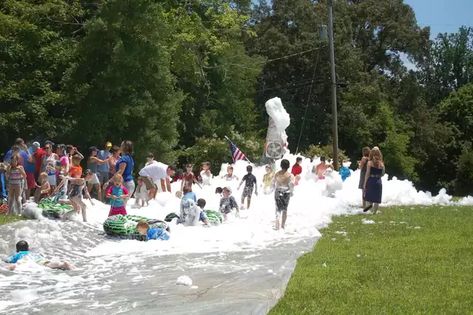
(334,85)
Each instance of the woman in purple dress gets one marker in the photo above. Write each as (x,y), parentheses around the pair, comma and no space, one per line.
(373,186)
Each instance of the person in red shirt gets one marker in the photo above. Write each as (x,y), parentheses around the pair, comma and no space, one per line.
(297,170)
(38,155)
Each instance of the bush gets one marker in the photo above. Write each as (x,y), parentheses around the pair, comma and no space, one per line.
(326,150)
(217,150)
(464,179)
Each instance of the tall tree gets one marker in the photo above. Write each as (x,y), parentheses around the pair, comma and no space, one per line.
(37,40)
(121,86)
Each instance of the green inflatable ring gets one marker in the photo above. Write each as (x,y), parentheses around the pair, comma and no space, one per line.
(214,217)
(53,209)
(124,226)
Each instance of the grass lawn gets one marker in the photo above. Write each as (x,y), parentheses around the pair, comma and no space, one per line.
(4,219)
(412,260)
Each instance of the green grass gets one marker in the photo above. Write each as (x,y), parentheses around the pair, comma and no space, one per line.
(413,260)
(4,219)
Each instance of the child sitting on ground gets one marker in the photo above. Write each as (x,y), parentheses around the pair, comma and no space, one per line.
(141,193)
(250,184)
(23,252)
(151,233)
(202,216)
(117,194)
(228,203)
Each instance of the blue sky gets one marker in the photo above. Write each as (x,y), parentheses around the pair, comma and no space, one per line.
(442,15)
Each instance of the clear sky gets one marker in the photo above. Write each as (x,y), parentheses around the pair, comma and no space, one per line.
(442,15)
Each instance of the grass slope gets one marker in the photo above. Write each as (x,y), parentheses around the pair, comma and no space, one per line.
(413,260)
(4,219)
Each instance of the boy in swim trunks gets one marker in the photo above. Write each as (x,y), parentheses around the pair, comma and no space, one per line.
(250,184)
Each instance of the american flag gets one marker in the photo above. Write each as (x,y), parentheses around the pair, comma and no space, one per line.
(236,153)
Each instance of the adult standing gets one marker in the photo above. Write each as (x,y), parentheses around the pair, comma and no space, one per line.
(49,164)
(373,183)
(157,175)
(362,166)
(112,161)
(38,155)
(103,170)
(125,166)
(93,163)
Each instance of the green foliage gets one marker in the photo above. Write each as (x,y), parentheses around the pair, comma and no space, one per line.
(323,150)
(464,180)
(170,75)
(217,150)
(397,265)
(448,65)
(36,46)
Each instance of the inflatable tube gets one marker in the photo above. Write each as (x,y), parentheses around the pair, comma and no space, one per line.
(124,226)
(214,217)
(52,209)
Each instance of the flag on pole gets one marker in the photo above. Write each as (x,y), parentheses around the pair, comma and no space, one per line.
(236,153)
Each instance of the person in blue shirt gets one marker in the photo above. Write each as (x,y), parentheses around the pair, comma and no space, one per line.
(125,166)
(344,171)
(3,182)
(103,170)
(23,252)
(152,233)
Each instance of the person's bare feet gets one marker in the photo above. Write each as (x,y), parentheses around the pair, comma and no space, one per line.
(11,267)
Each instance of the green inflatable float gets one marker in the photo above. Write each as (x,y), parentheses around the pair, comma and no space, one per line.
(52,209)
(214,217)
(124,226)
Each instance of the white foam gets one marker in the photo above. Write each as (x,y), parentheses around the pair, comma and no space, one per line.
(184,280)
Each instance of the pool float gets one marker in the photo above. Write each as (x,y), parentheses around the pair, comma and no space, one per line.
(124,226)
(53,209)
(214,217)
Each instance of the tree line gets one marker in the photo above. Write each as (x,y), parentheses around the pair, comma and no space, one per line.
(176,76)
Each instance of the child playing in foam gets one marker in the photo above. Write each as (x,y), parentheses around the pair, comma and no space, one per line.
(141,194)
(228,203)
(284,185)
(23,254)
(151,233)
(250,184)
(117,194)
(268,180)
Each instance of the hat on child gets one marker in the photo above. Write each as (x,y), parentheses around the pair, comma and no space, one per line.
(108,144)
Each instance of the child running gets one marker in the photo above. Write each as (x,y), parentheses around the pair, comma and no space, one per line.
(283,184)
(228,203)
(250,184)
(117,194)
(23,253)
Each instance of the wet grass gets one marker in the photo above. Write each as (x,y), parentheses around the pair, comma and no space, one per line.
(411,260)
(5,219)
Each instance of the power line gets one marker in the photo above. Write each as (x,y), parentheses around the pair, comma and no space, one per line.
(307,104)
